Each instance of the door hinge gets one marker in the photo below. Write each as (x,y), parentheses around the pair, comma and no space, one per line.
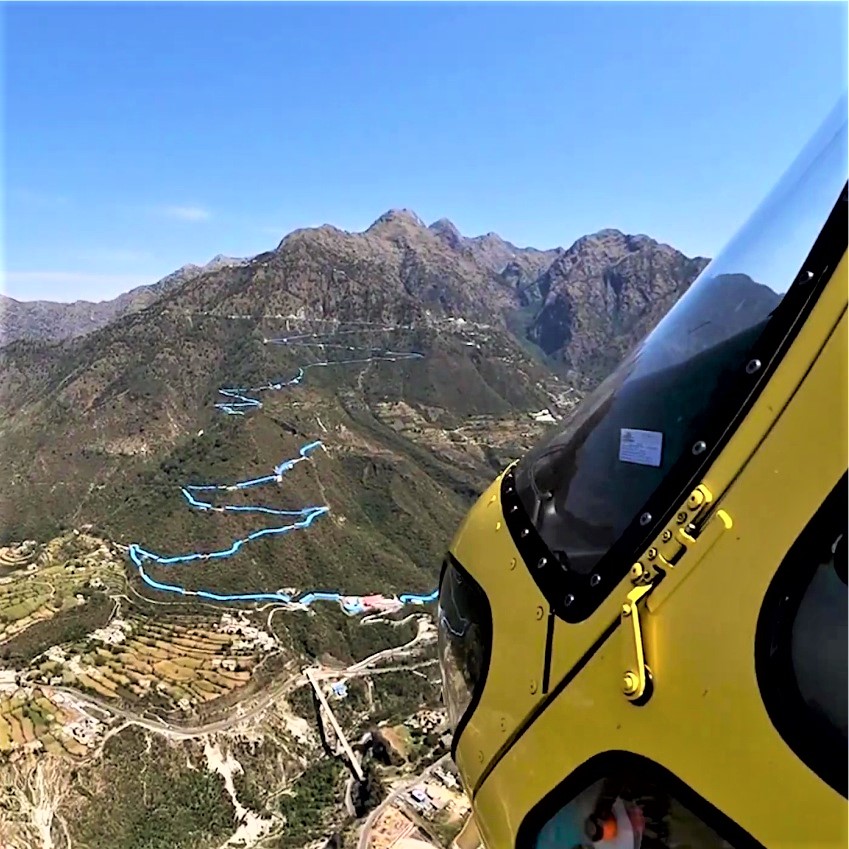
(658,573)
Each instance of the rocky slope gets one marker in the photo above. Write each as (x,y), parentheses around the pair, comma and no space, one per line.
(518,267)
(107,427)
(598,298)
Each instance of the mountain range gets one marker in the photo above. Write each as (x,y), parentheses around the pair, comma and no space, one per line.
(108,415)
(54,321)
(608,279)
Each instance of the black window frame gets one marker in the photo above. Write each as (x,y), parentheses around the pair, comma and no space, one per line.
(603,765)
(451,561)
(812,739)
(574,597)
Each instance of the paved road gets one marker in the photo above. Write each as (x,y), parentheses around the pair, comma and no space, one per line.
(249,710)
(365,831)
(184,732)
(425,632)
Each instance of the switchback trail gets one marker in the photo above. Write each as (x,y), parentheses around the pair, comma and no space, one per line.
(238,402)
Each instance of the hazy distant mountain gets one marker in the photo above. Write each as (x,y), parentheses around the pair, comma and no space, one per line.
(53,321)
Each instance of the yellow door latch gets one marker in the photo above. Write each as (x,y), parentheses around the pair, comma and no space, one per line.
(659,572)
(636,681)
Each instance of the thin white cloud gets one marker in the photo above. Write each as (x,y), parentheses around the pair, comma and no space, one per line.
(186,213)
(32,197)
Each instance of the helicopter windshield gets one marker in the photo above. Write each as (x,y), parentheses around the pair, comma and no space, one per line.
(587,485)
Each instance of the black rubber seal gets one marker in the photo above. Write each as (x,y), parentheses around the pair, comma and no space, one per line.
(817,743)
(610,764)
(480,686)
(574,596)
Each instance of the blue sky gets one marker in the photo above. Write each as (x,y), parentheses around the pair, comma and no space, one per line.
(142,137)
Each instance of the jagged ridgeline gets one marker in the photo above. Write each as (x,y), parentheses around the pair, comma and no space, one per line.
(106,427)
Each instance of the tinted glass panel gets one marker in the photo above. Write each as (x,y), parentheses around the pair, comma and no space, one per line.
(628,810)
(464,626)
(583,488)
(818,643)
(801,650)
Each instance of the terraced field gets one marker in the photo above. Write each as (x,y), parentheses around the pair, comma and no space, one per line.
(39,582)
(18,556)
(32,720)
(176,664)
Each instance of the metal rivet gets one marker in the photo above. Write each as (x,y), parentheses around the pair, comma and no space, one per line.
(645,519)
(542,562)
(752,366)
(493,499)
(533,687)
(638,570)
(568,600)
(630,683)
(699,448)
(514,508)
(540,613)
(696,498)
(524,532)
(498,526)
(480,757)
(595,580)
(513,563)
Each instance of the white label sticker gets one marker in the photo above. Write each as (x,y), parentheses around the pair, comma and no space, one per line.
(640,446)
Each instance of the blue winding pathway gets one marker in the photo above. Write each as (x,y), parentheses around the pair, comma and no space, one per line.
(239,401)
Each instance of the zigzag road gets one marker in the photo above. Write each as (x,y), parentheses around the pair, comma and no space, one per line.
(238,402)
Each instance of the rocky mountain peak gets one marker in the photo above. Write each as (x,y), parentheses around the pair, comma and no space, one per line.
(310,235)
(448,233)
(612,287)
(220,261)
(405,218)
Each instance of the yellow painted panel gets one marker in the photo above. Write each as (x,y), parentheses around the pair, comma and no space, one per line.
(706,721)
